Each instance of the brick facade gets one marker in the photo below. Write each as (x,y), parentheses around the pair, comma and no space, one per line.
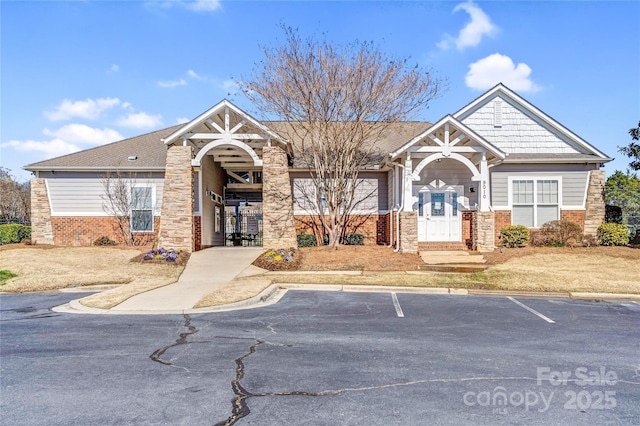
(176,225)
(83,231)
(278,226)
(467,228)
(373,227)
(197,233)
(502,218)
(41,228)
(573,216)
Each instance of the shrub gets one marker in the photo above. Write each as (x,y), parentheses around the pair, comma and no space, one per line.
(589,240)
(104,241)
(561,233)
(14,233)
(353,240)
(635,239)
(514,236)
(613,234)
(307,240)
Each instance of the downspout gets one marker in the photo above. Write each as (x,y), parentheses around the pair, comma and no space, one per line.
(400,207)
(393,179)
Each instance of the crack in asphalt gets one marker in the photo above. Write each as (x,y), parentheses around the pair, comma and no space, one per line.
(182,340)
(239,404)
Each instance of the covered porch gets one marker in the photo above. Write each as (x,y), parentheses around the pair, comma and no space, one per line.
(446,188)
(227,164)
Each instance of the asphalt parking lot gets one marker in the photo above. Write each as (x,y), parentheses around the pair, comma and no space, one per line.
(325,358)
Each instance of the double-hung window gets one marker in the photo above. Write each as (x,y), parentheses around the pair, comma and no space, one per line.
(534,201)
(142,209)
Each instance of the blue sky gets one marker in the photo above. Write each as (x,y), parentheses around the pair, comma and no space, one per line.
(83,73)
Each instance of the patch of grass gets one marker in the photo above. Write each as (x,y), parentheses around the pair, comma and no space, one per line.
(6,275)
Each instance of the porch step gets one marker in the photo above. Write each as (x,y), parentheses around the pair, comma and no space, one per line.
(424,246)
(451,257)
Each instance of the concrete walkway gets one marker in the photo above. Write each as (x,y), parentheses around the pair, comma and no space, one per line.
(206,271)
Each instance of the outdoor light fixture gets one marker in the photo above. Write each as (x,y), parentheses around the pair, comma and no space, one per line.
(472,189)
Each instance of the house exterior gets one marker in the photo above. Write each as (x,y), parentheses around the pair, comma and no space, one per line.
(226,178)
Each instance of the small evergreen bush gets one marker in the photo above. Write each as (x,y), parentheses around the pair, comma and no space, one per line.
(307,240)
(353,239)
(514,236)
(613,234)
(14,233)
(561,232)
(104,241)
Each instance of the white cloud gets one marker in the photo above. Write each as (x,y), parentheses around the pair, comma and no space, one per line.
(193,74)
(471,35)
(114,68)
(230,86)
(90,109)
(140,120)
(172,84)
(83,134)
(126,105)
(182,120)
(497,68)
(52,148)
(202,5)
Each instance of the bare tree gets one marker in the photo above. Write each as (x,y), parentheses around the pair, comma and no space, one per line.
(15,199)
(130,205)
(338,102)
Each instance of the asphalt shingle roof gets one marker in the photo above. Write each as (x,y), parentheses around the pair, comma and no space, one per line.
(149,148)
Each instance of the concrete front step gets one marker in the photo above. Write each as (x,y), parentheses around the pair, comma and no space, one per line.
(451,257)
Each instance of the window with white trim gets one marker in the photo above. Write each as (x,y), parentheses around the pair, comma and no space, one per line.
(142,209)
(534,202)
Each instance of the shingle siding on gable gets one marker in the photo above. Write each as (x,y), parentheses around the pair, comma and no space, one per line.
(519,133)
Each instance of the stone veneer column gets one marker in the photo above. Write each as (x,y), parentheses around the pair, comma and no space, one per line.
(595,204)
(408,232)
(41,229)
(278,226)
(176,222)
(484,230)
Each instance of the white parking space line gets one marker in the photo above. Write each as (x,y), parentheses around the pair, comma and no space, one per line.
(396,304)
(533,311)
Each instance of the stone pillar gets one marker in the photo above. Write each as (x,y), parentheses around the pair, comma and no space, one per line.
(595,204)
(408,232)
(484,230)
(176,222)
(278,226)
(41,229)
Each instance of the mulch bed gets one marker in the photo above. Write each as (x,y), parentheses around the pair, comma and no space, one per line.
(183,258)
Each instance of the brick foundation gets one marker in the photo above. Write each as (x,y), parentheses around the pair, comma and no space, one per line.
(576,216)
(83,231)
(197,233)
(373,227)
(502,218)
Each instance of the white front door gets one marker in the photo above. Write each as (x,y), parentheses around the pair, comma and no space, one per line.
(438,214)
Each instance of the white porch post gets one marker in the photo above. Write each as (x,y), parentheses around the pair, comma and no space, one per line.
(408,184)
(484,190)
